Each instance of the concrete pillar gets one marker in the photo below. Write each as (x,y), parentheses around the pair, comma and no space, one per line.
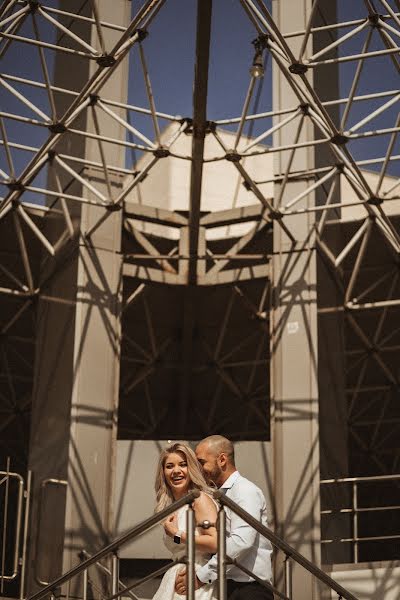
(76,384)
(309,436)
(294,344)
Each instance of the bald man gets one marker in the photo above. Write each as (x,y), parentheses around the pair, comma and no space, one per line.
(217,457)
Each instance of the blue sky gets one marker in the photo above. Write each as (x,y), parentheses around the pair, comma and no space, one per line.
(170,52)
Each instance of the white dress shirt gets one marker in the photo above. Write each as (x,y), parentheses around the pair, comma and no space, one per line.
(243,543)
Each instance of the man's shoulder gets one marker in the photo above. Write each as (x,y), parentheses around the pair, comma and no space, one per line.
(244,485)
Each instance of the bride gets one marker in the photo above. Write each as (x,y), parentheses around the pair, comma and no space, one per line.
(178,473)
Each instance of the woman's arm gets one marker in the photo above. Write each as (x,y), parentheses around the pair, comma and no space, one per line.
(204,510)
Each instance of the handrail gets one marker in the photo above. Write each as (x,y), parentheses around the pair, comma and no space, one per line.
(286,548)
(83,554)
(113,546)
(357,479)
(355,509)
(7,476)
(223,560)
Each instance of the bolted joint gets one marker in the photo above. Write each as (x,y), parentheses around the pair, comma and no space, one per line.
(275,215)
(51,155)
(93,99)
(339,139)
(33,5)
(211,127)
(375,20)
(189,122)
(305,108)
(375,200)
(298,68)
(233,156)
(57,127)
(161,152)
(142,34)
(106,60)
(15,186)
(114,207)
(260,42)
(340,167)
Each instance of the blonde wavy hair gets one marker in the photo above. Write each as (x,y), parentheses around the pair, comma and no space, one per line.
(164,495)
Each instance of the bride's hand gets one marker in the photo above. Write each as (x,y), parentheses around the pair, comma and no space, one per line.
(171,525)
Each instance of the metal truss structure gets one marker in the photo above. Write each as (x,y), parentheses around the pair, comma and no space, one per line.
(349,205)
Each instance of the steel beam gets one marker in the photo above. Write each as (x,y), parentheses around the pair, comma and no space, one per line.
(204,9)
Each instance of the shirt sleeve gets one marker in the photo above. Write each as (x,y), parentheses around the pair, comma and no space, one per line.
(241,537)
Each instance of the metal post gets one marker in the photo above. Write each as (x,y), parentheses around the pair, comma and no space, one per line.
(114,574)
(27,495)
(190,572)
(221,554)
(5,517)
(288,577)
(85,584)
(355,522)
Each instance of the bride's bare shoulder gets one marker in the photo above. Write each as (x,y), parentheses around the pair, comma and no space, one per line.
(205,502)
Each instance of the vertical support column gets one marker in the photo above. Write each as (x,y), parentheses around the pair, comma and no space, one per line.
(294,352)
(76,386)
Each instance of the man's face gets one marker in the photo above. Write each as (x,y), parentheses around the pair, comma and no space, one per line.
(210,464)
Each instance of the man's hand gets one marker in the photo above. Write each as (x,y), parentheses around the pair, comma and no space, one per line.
(180,582)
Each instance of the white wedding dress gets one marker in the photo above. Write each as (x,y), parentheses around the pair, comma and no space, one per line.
(166,591)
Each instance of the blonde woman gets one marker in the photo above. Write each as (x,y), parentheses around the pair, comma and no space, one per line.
(178,473)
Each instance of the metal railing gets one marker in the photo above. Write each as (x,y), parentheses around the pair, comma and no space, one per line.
(83,555)
(117,589)
(355,510)
(15,503)
(291,555)
(112,550)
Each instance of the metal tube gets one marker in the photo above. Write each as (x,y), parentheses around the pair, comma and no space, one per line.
(24,252)
(67,31)
(81,180)
(26,40)
(355,522)
(85,584)
(4,533)
(27,495)
(114,574)
(150,94)
(14,16)
(35,230)
(25,101)
(352,242)
(123,105)
(78,17)
(374,114)
(341,25)
(339,41)
(288,577)
(127,125)
(272,130)
(307,32)
(191,552)
(341,59)
(244,111)
(313,187)
(286,548)
(221,530)
(131,534)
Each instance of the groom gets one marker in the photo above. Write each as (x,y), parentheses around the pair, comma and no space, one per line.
(216,456)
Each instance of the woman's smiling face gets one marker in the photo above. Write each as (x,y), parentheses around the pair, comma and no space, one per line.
(176,474)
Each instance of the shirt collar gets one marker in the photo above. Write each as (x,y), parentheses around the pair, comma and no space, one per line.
(230,481)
